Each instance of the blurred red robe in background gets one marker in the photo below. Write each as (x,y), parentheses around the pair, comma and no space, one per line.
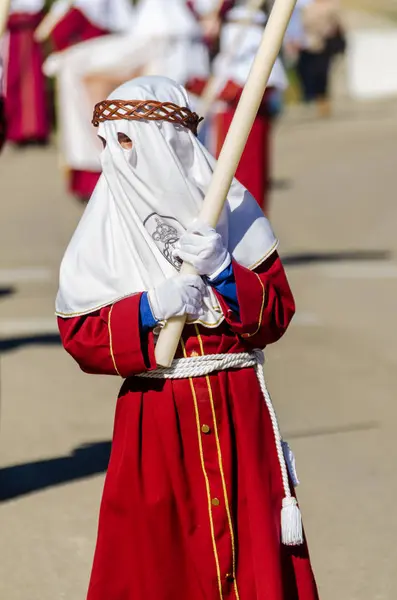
(254,166)
(26,102)
(74,27)
(240,37)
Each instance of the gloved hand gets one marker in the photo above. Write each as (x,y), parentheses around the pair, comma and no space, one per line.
(202,247)
(180,295)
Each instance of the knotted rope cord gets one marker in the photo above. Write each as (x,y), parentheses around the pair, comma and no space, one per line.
(199,366)
(149,110)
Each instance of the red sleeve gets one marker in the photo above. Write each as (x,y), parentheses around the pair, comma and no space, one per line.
(265,300)
(108,342)
(231,93)
(73,28)
(196,85)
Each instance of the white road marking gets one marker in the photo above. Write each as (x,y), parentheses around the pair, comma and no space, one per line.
(32,326)
(24,274)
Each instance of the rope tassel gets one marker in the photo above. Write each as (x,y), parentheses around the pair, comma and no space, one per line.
(291,523)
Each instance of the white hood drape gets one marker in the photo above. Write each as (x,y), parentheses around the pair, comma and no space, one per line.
(145,198)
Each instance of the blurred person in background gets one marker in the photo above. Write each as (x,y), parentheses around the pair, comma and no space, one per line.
(26,102)
(240,37)
(159,38)
(74,24)
(210,14)
(317,34)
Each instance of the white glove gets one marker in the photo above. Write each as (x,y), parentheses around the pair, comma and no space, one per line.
(180,295)
(202,247)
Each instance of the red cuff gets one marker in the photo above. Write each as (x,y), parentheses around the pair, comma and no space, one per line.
(251,300)
(128,355)
(196,86)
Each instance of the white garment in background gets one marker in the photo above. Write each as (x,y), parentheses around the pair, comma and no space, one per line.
(239,44)
(26,6)
(163,40)
(205,7)
(145,199)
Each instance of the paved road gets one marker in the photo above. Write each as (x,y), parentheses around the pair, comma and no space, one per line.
(333,377)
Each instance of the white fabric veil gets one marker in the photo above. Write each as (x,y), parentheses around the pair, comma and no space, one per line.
(145,198)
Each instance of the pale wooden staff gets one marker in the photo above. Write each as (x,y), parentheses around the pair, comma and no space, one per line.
(50,21)
(4,12)
(232,150)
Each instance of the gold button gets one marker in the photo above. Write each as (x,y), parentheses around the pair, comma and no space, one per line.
(229,577)
(194,353)
(215,502)
(205,429)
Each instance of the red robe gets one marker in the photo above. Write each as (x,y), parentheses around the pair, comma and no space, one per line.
(253,170)
(192,498)
(26,105)
(72,29)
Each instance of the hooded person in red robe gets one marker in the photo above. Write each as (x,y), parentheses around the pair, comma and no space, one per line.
(210,14)
(198,503)
(26,102)
(74,24)
(240,38)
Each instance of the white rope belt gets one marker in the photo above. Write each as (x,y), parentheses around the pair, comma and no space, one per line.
(200,366)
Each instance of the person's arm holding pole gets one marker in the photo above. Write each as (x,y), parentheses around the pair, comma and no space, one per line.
(232,150)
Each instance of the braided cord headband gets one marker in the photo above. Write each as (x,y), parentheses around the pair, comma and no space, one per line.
(150,110)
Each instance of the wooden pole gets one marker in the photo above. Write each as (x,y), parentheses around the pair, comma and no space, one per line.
(4,12)
(50,21)
(232,150)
